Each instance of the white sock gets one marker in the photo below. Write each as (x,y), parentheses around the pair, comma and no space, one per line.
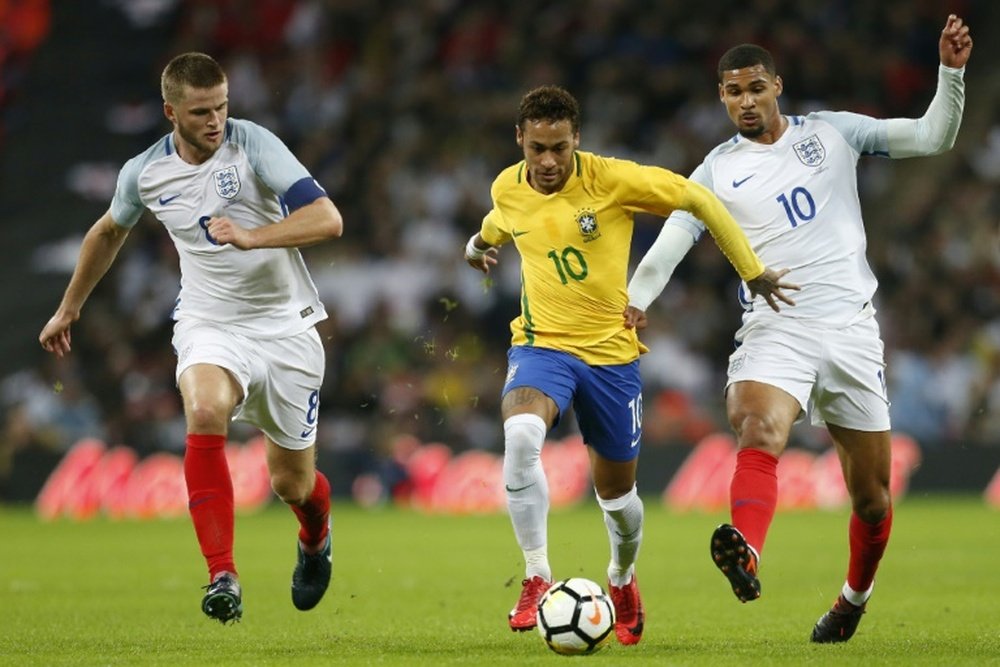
(623,517)
(536,563)
(857,598)
(527,490)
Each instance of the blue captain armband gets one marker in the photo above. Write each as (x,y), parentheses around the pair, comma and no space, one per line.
(303,191)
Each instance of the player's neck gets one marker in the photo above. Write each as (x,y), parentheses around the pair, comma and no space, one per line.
(774,133)
(541,189)
(189,153)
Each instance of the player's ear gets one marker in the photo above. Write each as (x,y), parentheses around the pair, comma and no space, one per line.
(168,111)
(722,94)
(576,140)
(778,86)
(519,136)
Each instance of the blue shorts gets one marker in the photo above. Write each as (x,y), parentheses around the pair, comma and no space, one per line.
(607,399)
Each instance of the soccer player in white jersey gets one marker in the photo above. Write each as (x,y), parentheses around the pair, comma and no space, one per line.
(791,183)
(237,205)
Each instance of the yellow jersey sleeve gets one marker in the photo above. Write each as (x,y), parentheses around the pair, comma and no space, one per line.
(732,241)
(493,230)
(660,191)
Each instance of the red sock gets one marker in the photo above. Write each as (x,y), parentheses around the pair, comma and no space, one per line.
(210,499)
(868,542)
(314,513)
(753,494)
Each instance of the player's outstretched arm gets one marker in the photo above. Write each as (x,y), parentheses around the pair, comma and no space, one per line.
(654,271)
(730,238)
(728,235)
(936,131)
(99,249)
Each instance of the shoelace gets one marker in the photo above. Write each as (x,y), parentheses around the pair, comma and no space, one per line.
(220,584)
(312,563)
(529,596)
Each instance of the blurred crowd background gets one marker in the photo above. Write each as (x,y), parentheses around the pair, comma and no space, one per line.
(404,111)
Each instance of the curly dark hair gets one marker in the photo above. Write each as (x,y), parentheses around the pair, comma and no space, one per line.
(550,103)
(746,55)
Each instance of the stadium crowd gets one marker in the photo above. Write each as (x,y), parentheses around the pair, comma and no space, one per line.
(403,111)
(24,25)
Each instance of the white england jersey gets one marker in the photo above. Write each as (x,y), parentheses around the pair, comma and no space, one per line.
(255,180)
(797,202)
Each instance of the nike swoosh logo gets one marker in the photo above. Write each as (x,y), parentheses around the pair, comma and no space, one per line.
(516,233)
(595,618)
(510,490)
(748,501)
(636,441)
(166,199)
(193,504)
(307,432)
(740,182)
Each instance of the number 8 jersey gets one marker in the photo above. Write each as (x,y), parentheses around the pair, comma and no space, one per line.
(253,179)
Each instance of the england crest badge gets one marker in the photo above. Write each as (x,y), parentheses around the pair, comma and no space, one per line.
(227,182)
(810,151)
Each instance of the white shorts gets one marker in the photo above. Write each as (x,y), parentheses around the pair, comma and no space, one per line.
(280,377)
(836,375)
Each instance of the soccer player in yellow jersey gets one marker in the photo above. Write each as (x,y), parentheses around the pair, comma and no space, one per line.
(570,215)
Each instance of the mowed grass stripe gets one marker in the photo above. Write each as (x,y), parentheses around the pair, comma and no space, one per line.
(412,589)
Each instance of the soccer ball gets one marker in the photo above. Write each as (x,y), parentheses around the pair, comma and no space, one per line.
(575,616)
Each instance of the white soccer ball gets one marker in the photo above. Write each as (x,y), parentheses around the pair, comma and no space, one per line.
(575,616)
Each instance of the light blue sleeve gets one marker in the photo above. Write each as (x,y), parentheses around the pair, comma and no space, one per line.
(269,157)
(126,207)
(867,135)
(685,220)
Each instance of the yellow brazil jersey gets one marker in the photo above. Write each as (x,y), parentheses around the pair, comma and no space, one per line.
(574,246)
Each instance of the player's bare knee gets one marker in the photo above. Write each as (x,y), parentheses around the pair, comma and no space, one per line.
(757,430)
(205,418)
(612,490)
(871,508)
(290,488)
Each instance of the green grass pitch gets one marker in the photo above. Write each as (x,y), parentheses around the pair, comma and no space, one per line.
(412,589)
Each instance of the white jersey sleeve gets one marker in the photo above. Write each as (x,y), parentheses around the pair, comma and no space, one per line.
(937,129)
(126,205)
(253,179)
(275,165)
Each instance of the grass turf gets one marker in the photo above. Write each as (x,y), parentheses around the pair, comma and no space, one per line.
(411,589)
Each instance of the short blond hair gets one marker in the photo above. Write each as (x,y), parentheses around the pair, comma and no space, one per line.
(197,70)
